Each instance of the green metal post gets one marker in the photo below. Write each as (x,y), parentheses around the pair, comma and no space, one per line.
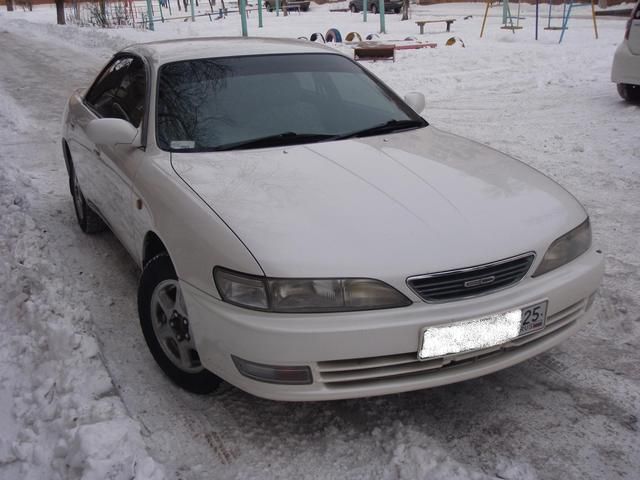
(381,9)
(365,7)
(277,8)
(259,13)
(193,12)
(150,14)
(243,17)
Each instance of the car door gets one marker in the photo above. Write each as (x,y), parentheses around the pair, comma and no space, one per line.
(106,176)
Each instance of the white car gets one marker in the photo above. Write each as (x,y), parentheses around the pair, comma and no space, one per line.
(304,234)
(626,62)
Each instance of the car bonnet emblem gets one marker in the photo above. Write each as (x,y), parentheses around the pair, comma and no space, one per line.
(480,281)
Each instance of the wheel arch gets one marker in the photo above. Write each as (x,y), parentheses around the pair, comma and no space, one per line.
(66,153)
(152,246)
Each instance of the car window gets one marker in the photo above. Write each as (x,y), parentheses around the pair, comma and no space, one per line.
(205,104)
(120,91)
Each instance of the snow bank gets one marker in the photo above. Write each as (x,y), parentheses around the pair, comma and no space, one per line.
(68,421)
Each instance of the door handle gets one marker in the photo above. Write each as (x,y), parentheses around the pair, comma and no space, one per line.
(96,152)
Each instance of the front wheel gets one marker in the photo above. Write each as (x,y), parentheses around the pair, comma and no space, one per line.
(165,325)
(631,93)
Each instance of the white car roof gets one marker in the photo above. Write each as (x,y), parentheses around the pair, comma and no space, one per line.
(166,51)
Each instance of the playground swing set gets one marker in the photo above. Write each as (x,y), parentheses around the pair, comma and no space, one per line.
(567,8)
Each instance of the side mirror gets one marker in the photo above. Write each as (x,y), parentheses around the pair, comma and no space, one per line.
(112,131)
(416,101)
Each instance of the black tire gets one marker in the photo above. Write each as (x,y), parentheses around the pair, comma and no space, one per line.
(88,220)
(267,5)
(374,8)
(157,271)
(396,10)
(353,8)
(631,93)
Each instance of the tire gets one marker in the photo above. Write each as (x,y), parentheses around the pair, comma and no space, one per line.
(631,93)
(88,220)
(353,8)
(267,5)
(396,10)
(374,8)
(165,326)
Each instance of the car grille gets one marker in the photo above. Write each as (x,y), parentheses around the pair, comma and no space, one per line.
(469,282)
(344,374)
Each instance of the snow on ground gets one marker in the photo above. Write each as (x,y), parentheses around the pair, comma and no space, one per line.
(81,396)
(68,421)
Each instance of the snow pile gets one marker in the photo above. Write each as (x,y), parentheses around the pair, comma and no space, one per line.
(68,420)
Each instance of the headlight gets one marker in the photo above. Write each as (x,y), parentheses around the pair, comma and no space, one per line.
(301,295)
(566,248)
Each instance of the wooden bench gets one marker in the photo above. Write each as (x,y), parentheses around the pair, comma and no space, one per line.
(374,52)
(422,23)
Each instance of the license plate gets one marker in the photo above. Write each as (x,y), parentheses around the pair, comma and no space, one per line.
(477,334)
(533,318)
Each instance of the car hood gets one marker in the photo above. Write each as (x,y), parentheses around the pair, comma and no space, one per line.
(383,207)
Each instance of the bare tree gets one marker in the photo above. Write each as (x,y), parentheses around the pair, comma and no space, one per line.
(60,11)
(405,9)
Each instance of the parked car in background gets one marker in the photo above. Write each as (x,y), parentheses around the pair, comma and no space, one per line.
(322,241)
(392,6)
(626,62)
(302,5)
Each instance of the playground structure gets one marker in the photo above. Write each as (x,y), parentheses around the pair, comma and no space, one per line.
(371,48)
(567,8)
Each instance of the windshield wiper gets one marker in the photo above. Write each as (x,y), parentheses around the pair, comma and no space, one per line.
(285,138)
(387,127)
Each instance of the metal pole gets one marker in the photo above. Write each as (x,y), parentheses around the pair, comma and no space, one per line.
(161,14)
(193,12)
(365,8)
(243,17)
(259,13)
(537,1)
(484,20)
(381,11)
(277,8)
(150,14)
(593,14)
(565,20)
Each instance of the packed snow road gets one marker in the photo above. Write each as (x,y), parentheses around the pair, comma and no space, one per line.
(570,413)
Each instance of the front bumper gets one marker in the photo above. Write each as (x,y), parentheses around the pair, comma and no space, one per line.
(361,354)
(626,66)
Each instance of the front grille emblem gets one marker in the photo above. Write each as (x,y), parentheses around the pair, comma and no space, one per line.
(480,281)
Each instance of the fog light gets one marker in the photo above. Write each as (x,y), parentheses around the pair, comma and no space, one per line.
(285,375)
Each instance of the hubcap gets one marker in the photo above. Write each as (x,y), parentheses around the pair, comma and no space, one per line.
(171,326)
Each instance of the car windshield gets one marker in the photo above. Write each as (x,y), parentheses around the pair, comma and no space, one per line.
(268,100)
